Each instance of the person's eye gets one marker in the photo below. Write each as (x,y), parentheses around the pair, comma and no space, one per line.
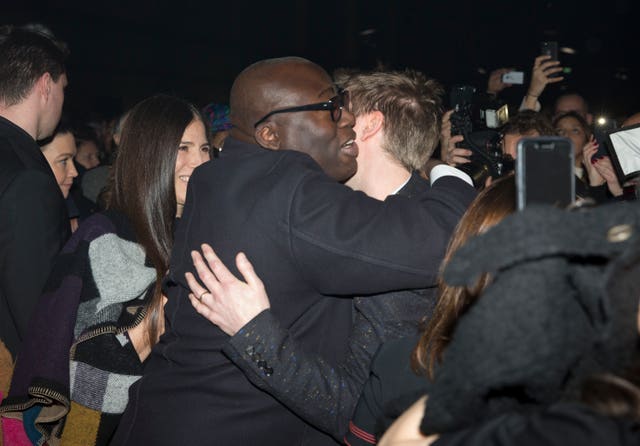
(183,148)
(205,149)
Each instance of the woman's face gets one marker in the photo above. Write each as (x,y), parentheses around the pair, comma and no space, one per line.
(88,155)
(194,150)
(570,127)
(59,154)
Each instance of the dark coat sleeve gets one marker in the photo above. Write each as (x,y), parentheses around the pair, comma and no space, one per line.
(323,393)
(33,231)
(368,248)
(390,389)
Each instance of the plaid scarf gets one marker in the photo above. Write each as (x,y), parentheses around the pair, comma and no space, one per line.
(73,373)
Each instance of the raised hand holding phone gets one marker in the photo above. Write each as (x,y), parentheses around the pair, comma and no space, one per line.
(550,49)
(546,70)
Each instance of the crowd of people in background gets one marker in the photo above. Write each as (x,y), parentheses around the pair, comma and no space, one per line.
(319,260)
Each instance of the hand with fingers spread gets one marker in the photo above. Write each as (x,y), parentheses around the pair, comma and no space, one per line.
(495,84)
(224,300)
(605,169)
(449,153)
(541,76)
(588,160)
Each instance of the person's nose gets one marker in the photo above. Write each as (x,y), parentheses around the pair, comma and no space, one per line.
(196,157)
(73,172)
(347,119)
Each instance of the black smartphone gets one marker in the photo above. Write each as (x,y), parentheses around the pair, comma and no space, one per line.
(602,126)
(550,49)
(545,171)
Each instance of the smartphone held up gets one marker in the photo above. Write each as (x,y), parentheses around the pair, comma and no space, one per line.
(550,48)
(513,77)
(545,172)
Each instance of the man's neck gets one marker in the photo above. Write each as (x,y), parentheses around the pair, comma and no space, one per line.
(19,116)
(379,176)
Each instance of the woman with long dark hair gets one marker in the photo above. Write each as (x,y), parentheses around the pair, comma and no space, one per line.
(101,311)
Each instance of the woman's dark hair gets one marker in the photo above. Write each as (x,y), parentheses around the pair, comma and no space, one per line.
(142,184)
(490,206)
(526,122)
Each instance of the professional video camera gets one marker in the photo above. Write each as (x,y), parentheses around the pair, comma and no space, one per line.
(477,120)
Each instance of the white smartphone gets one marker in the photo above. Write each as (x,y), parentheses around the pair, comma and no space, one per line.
(513,77)
(545,171)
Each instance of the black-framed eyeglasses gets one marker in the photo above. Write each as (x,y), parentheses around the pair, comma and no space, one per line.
(333,105)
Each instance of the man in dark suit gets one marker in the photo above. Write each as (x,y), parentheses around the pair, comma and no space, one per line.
(273,194)
(33,220)
(397,117)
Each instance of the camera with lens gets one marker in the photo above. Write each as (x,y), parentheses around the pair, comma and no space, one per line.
(477,120)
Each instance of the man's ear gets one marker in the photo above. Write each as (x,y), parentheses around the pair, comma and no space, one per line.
(43,86)
(373,122)
(46,78)
(267,136)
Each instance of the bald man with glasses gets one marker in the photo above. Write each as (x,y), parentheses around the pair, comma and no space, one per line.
(275,195)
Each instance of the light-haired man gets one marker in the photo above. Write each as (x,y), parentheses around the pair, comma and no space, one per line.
(397,128)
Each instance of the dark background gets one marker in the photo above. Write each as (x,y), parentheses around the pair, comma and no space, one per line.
(124,51)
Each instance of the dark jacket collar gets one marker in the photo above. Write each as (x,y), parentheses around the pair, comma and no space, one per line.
(235,146)
(28,152)
(4,122)
(415,186)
